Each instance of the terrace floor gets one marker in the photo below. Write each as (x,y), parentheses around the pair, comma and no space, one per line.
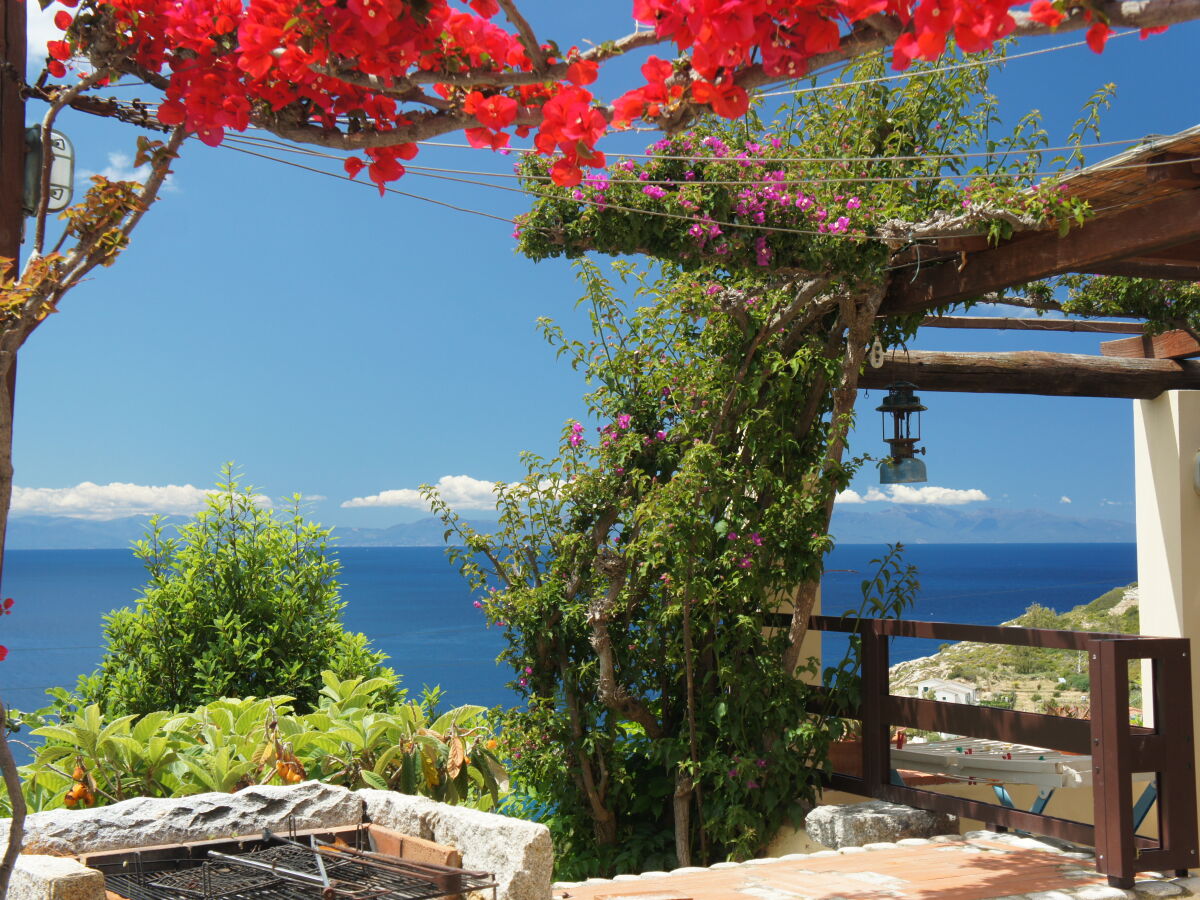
(980,867)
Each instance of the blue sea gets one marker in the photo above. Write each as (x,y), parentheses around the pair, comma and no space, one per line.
(415,607)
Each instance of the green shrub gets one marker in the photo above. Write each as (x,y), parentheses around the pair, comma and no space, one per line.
(1078,681)
(358,736)
(242,603)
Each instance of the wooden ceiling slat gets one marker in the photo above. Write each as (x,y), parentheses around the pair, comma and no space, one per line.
(1145,267)
(1034,324)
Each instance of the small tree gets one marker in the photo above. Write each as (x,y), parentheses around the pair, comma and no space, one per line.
(242,603)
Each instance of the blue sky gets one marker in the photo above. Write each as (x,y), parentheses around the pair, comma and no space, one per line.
(344,346)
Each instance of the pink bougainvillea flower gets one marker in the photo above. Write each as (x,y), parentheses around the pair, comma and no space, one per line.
(623,421)
(576,437)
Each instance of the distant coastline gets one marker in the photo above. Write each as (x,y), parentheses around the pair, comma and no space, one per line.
(878,524)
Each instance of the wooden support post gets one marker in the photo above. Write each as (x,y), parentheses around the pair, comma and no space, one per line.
(12,165)
(875,688)
(1112,789)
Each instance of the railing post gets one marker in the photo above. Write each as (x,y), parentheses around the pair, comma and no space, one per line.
(875,688)
(1172,705)
(1112,788)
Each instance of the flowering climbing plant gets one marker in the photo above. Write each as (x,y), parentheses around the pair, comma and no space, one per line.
(639,576)
(374,77)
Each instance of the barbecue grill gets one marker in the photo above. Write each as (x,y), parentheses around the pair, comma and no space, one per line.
(338,865)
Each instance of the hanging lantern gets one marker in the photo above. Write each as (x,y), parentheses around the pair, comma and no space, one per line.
(904,409)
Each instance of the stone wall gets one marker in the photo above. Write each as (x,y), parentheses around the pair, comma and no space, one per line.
(519,853)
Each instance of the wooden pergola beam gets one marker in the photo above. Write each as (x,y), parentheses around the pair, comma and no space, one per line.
(1038,324)
(1174,219)
(1034,372)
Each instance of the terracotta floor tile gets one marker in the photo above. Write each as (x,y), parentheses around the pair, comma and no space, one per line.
(967,871)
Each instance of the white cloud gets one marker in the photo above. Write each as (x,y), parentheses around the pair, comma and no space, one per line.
(121,168)
(902,493)
(39,28)
(1064,499)
(88,500)
(459,492)
(313,498)
(936,496)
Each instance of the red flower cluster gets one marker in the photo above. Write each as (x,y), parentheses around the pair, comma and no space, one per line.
(5,610)
(227,59)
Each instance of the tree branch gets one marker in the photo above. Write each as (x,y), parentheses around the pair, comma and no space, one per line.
(858,318)
(610,691)
(528,39)
(16,827)
(1138,14)
(61,99)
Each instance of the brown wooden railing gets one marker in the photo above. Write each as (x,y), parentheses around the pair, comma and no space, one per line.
(1118,749)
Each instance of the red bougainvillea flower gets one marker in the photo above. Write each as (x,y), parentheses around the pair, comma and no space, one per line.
(1045,12)
(565,173)
(583,71)
(224,58)
(1098,35)
(729,101)
(495,112)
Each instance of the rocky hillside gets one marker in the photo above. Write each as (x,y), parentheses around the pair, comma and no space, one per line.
(1029,678)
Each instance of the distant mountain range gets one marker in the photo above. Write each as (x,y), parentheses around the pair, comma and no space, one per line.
(873,523)
(877,523)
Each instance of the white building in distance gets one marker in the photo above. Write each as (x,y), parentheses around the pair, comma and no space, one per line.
(948,691)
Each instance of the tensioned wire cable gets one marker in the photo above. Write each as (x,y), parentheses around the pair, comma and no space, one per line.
(695,220)
(953,67)
(465,209)
(756,182)
(763,159)
(745,226)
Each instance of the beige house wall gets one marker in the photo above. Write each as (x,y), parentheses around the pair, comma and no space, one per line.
(1166,438)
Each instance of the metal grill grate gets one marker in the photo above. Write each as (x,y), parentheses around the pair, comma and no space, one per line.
(285,869)
(211,881)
